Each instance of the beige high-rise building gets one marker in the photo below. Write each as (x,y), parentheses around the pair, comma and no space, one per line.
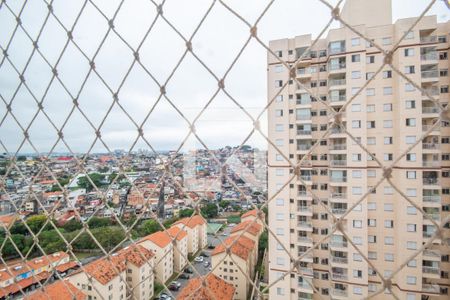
(387,117)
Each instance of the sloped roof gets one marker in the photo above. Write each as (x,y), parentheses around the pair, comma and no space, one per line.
(192,222)
(57,291)
(159,238)
(241,246)
(174,231)
(253,229)
(216,288)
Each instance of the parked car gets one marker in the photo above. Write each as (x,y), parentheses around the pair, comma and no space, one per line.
(164,296)
(184,276)
(204,254)
(188,270)
(198,259)
(211,247)
(206,264)
(176,283)
(173,287)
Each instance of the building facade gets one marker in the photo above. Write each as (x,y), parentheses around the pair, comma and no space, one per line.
(387,117)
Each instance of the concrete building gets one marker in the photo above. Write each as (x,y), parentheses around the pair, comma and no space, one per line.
(251,230)
(57,291)
(242,254)
(387,117)
(161,245)
(215,288)
(251,215)
(180,252)
(197,232)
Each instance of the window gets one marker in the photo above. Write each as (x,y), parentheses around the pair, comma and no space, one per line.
(370,108)
(279,98)
(356,124)
(356,107)
(388,224)
(371,141)
(280,231)
(357,273)
(387,74)
(388,207)
(387,124)
(411,227)
(356,190)
(410,139)
(411,192)
(410,279)
(411,245)
(370,92)
(387,90)
(411,157)
(280,291)
(370,124)
(355,90)
(442,39)
(279,127)
(355,42)
(357,257)
(412,263)
(388,156)
(357,240)
(279,142)
(279,53)
(372,222)
(278,83)
(411,174)
(410,70)
(370,59)
(411,122)
(388,240)
(443,55)
(356,173)
(278,112)
(280,216)
(357,224)
(369,75)
(387,41)
(356,157)
(409,52)
(356,74)
(409,35)
(409,87)
(387,107)
(388,190)
(389,257)
(278,68)
(371,173)
(356,57)
(410,104)
(280,201)
(444,89)
(280,261)
(443,72)
(372,239)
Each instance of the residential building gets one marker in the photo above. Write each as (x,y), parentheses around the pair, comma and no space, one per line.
(251,215)
(59,290)
(196,230)
(215,288)
(251,230)
(387,117)
(161,245)
(237,266)
(180,251)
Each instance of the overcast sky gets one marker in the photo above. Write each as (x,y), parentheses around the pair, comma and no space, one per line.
(217,43)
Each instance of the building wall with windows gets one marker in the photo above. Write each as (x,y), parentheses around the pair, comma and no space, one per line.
(386,117)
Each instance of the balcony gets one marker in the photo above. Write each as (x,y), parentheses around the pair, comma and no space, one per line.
(338,98)
(305,285)
(430,181)
(338,179)
(304,224)
(429,56)
(338,211)
(306,177)
(339,260)
(337,163)
(303,73)
(432,91)
(338,244)
(436,129)
(338,147)
(338,195)
(432,253)
(307,271)
(431,163)
(430,110)
(303,147)
(305,240)
(430,74)
(431,270)
(305,209)
(337,66)
(432,215)
(427,234)
(337,130)
(302,132)
(431,288)
(339,276)
(335,82)
(432,199)
(428,39)
(339,293)
(430,146)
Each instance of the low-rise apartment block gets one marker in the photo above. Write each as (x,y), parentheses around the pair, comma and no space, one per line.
(58,291)
(215,288)
(161,245)
(180,251)
(197,232)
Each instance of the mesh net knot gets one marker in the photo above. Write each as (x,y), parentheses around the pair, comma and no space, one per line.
(387,58)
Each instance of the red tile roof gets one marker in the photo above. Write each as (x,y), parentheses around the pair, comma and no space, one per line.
(7,220)
(215,289)
(253,229)
(192,222)
(159,238)
(57,291)
(67,266)
(252,212)
(241,246)
(135,254)
(104,270)
(174,231)
(21,285)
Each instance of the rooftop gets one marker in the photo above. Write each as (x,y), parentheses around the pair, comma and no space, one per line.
(159,238)
(216,288)
(240,246)
(249,226)
(192,222)
(174,231)
(57,291)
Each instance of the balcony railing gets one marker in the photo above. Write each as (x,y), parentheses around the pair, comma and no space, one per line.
(431,270)
(337,130)
(338,147)
(431,163)
(339,276)
(306,177)
(433,91)
(430,146)
(339,260)
(304,285)
(302,193)
(339,195)
(433,215)
(338,244)
(431,253)
(334,67)
(338,211)
(431,288)
(307,271)
(304,224)
(339,292)
(303,101)
(430,74)
(429,56)
(432,199)
(304,147)
(430,181)
(304,239)
(339,162)
(430,110)
(427,234)
(338,98)
(303,132)
(428,39)
(304,209)
(338,179)
(334,82)
(427,127)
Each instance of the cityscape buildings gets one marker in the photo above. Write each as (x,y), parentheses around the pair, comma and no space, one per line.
(387,117)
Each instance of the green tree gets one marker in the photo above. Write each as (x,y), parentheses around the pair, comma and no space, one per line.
(209,210)
(263,242)
(149,227)
(72,225)
(21,158)
(187,212)
(224,204)
(96,178)
(96,222)
(36,222)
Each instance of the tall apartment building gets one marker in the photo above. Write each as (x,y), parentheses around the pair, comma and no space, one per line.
(387,117)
